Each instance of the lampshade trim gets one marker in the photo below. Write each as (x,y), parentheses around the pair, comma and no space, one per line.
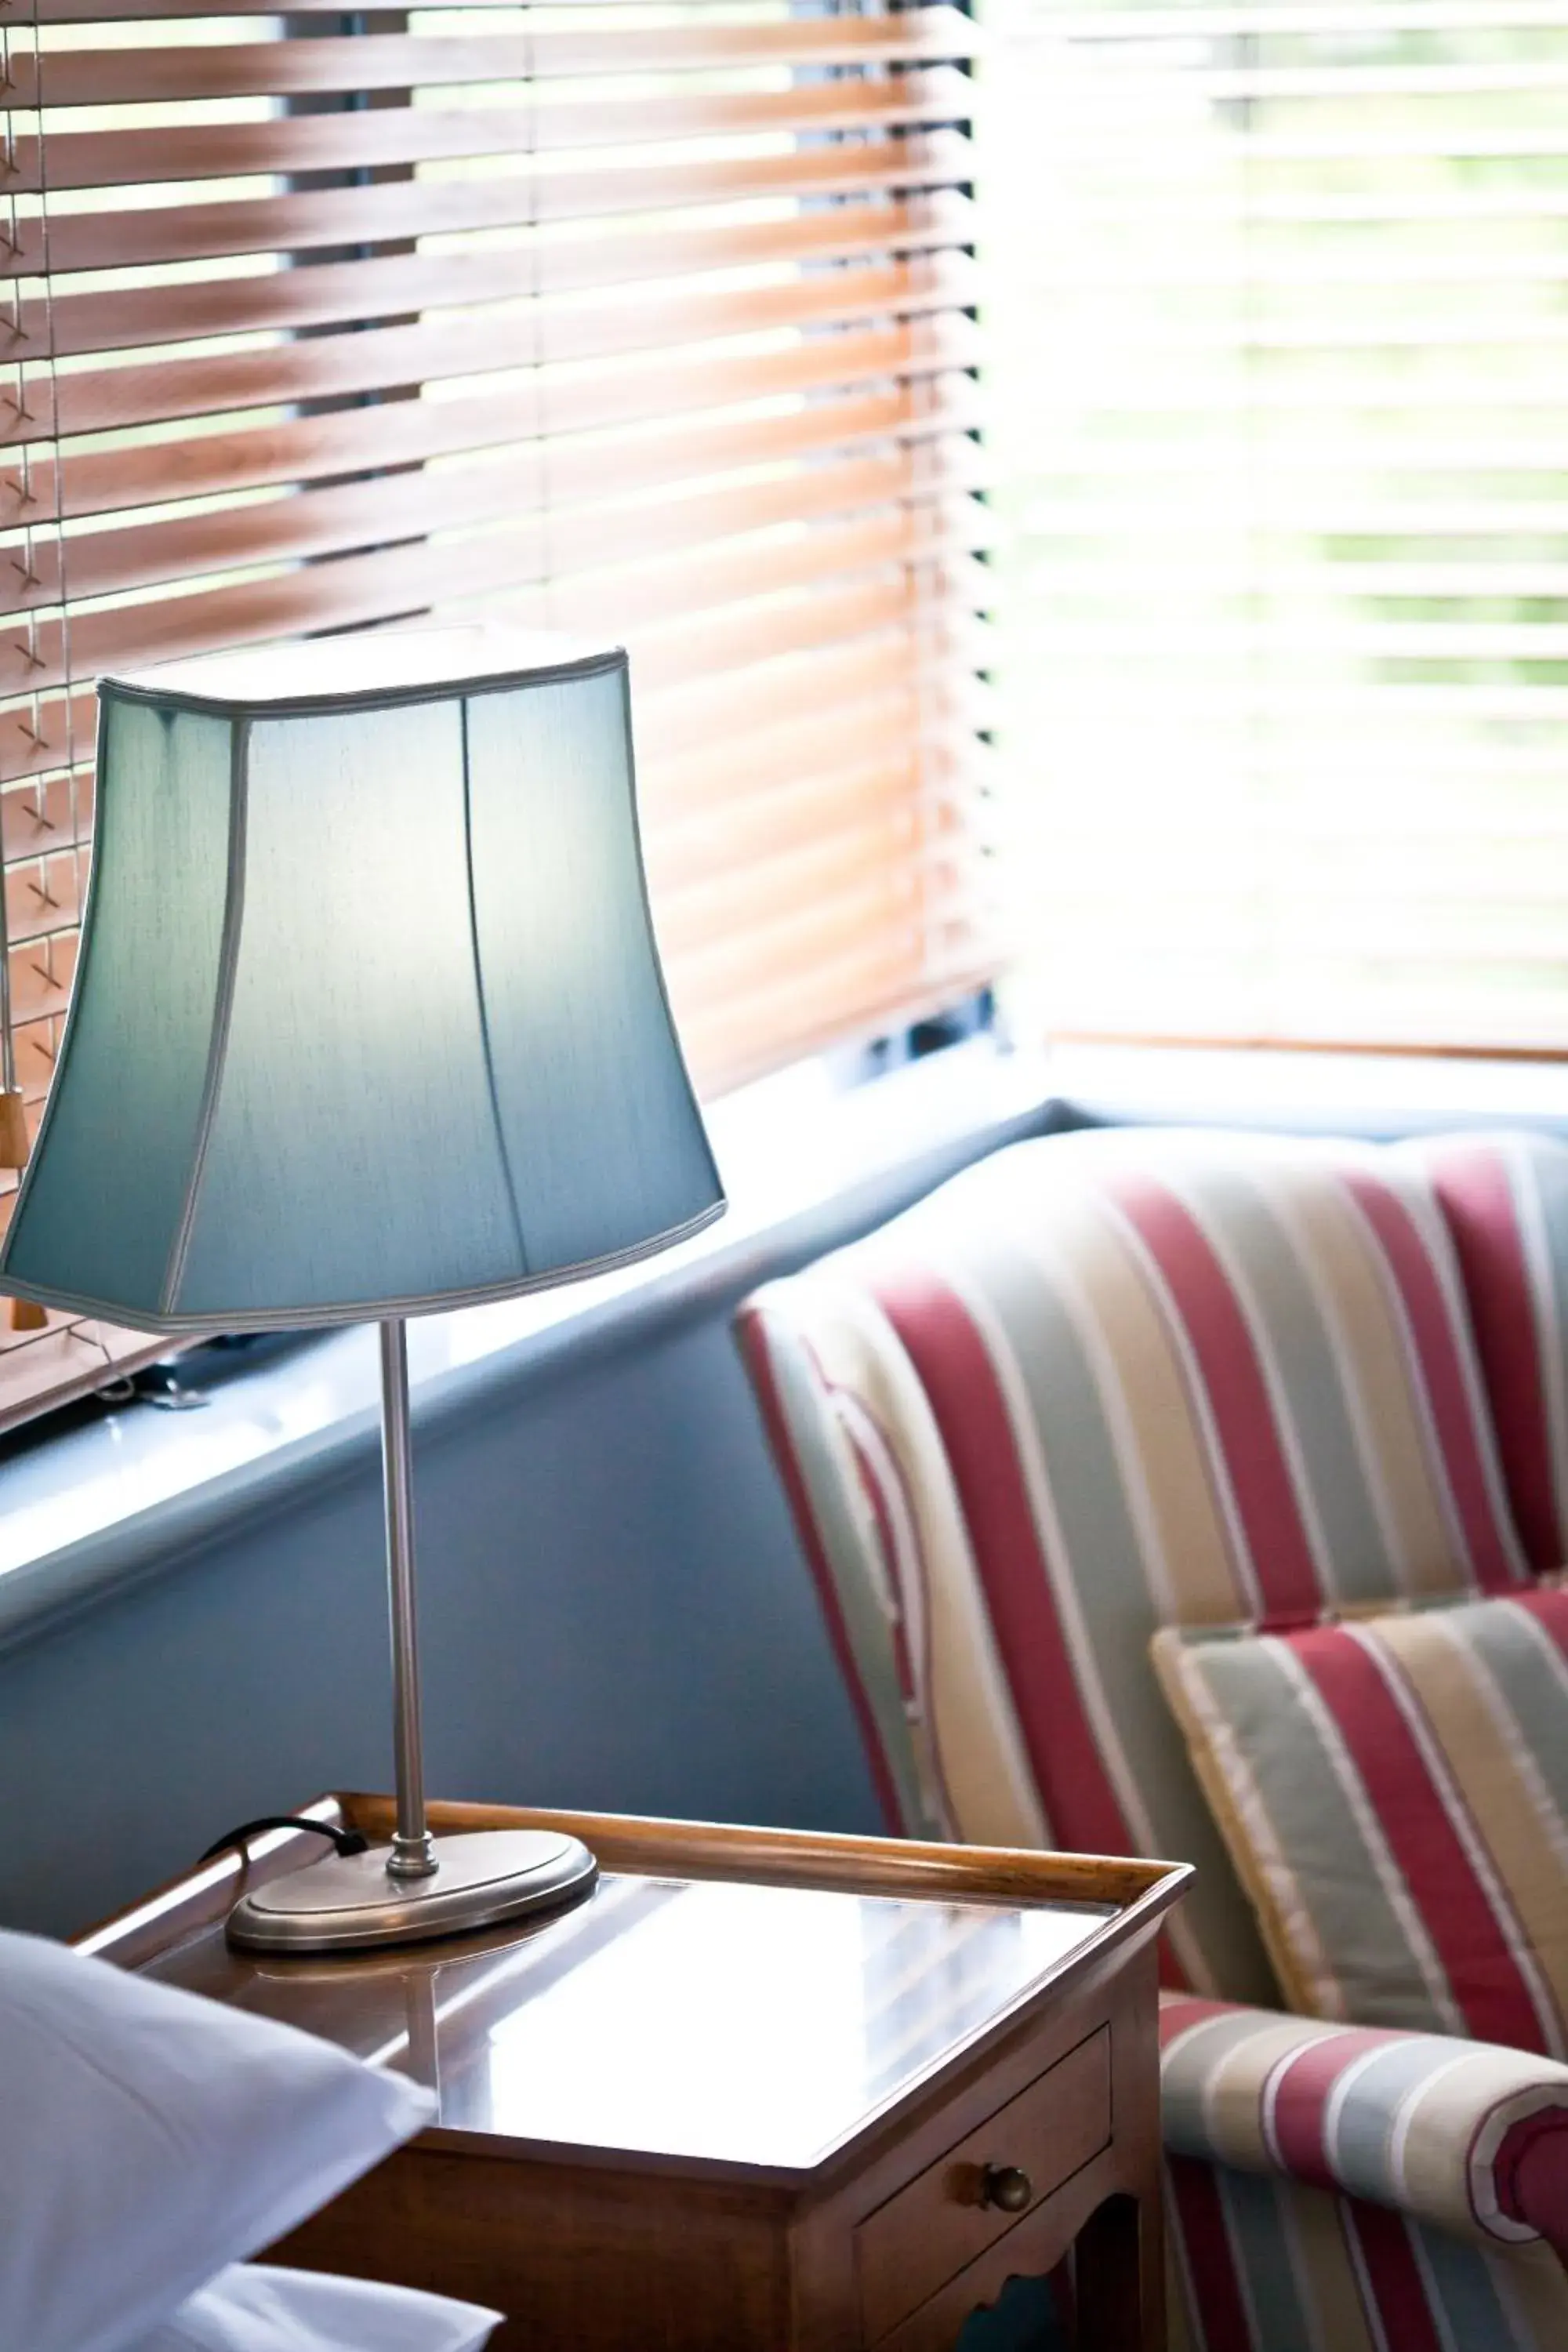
(370,1310)
(223,1002)
(385,698)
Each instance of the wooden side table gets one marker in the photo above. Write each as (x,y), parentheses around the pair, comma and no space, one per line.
(763,2091)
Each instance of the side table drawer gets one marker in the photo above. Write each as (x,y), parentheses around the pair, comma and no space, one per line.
(936,2223)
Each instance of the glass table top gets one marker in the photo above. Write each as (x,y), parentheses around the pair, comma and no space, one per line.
(711,2019)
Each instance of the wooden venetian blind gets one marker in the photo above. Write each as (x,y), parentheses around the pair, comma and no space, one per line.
(647,320)
(1281,379)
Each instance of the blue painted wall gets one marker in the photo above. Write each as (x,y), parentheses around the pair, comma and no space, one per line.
(615,1615)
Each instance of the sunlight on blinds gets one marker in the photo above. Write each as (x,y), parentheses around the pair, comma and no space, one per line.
(1277,294)
(644,319)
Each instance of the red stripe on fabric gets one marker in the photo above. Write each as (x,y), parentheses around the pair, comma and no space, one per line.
(1299,2090)
(751,1332)
(1190,2009)
(1199,2215)
(1454,1905)
(1531,2173)
(1432,1334)
(956,1370)
(1260,1477)
(1476,1199)
(1549,1610)
(1394,2278)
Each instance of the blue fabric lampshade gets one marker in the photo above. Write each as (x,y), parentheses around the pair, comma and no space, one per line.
(368,1015)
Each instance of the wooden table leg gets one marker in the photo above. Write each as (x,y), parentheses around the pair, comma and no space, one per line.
(1120,2277)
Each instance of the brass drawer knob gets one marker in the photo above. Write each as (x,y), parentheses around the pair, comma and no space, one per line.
(1004,2186)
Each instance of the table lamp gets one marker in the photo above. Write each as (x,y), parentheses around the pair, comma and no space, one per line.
(368,1022)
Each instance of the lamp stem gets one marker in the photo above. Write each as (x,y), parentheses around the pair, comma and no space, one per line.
(428,1887)
(413,1851)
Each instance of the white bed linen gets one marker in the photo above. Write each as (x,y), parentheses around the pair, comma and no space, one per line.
(149,2138)
(254,2308)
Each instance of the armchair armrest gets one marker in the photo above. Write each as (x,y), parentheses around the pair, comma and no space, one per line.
(1466,2135)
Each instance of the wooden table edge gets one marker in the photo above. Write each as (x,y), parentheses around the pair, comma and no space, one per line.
(1141,1891)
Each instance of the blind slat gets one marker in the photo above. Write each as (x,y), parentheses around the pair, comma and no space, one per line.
(1258,149)
(860,993)
(393,61)
(797,811)
(1360,17)
(666,595)
(850,974)
(382,358)
(1321,448)
(390,212)
(1441,640)
(1291,511)
(333,294)
(1347,85)
(851,731)
(1291,698)
(380,137)
(836,871)
(52,12)
(88,482)
(357,589)
(830,614)
(713,709)
(336,521)
(686,592)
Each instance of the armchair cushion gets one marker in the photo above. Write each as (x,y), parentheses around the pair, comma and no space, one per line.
(1505,1200)
(1458,2133)
(1100,1383)
(1394,1795)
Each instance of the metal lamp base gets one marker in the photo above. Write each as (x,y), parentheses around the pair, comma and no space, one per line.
(352,1901)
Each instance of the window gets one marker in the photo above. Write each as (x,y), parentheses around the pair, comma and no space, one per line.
(1279,300)
(645,320)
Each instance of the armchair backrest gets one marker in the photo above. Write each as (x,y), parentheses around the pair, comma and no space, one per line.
(1505,1198)
(1095,1384)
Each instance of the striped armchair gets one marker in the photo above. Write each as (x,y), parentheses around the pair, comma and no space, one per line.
(1108,1381)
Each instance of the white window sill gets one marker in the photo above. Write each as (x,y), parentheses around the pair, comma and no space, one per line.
(83,1508)
(1371,1092)
(805,1163)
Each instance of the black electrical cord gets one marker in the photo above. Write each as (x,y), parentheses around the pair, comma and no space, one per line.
(346,1841)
